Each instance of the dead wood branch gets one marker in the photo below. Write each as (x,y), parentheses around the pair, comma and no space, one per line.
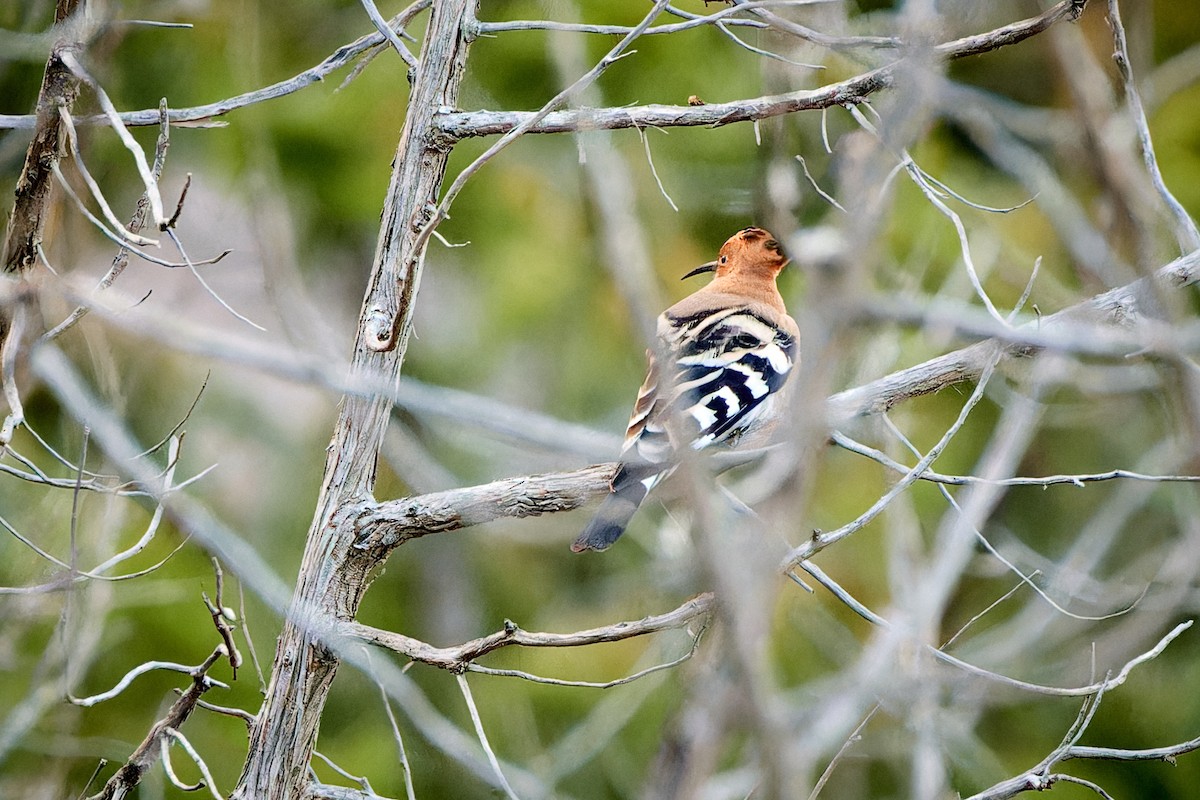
(143,758)
(462,125)
(200,116)
(1123,306)
(1042,776)
(457,658)
(59,89)
(390,523)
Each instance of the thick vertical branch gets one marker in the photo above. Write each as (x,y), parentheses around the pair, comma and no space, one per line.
(59,87)
(333,574)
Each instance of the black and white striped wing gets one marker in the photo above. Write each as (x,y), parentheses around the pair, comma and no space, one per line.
(729,364)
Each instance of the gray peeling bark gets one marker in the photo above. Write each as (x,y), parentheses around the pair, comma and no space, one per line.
(334,574)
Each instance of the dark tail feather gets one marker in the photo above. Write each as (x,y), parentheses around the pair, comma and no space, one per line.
(615,511)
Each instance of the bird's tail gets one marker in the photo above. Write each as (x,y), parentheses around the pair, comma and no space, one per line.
(630,485)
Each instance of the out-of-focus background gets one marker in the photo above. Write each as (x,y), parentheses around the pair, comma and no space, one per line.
(529,313)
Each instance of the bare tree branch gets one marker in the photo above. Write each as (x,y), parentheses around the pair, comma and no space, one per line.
(143,758)
(221,615)
(1123,306)
(390,523)
(200,115)
(136,224)
(817,37)
(441,212)
(456,659)
(1186,232)
(846,443)
(59,88)
(460,125)
(1040,777)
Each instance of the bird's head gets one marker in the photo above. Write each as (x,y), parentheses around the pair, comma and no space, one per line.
(749,252)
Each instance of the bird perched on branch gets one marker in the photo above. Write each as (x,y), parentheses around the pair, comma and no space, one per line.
(727,349)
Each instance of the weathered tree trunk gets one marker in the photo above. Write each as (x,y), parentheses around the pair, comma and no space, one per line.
(333,576)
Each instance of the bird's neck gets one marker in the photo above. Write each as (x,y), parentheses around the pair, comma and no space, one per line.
(758,287)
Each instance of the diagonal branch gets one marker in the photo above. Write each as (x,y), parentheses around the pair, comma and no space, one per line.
(1123,306)
(202,116)
(460,125)
(143,758)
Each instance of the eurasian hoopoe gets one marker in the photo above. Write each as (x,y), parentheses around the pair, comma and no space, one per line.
(730,347)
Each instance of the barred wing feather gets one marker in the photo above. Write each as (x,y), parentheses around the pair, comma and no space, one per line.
(728,366)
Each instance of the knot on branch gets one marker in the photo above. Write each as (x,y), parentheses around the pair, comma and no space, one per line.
(379,330)
(404,520)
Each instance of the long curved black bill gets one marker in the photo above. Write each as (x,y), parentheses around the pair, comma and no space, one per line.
(709,267)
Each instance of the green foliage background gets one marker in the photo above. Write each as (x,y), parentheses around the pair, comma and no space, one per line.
(528,315)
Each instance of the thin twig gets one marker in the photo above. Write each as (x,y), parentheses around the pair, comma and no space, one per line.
(142,669)
(1054,691)
(999,600)
(818,38)
(654,171)
(405,767)
(136,223)
(174,237)
(94,188)
(383,27)
(996,554)
(165,756)
(851,740)
(1079,480)
(361,780)
(191,751)
(117,237)
(139,157)
(483,740)
(622,681)
(245,620)
(227,711)
(820,541)
(725,15)
(812,181)
(220,616)
(1186,231)
(758,51)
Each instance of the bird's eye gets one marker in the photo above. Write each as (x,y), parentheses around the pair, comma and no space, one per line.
(723,259)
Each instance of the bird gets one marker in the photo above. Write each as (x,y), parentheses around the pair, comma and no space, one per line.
(723,354)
